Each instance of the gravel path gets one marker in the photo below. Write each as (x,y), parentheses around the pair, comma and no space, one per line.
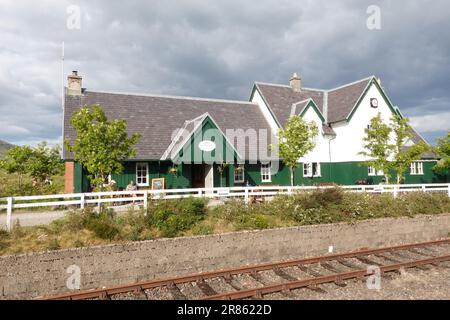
(29,219)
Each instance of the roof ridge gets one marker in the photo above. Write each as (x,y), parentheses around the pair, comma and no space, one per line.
(170,96)
(316,89)
(273,84)
(350,84)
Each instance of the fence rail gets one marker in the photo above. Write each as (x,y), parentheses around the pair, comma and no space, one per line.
(141,197)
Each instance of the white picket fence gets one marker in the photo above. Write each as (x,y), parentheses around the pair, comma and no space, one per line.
(141,197)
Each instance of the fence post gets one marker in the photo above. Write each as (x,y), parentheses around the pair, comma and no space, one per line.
(290,191)
(246,195)
(82,200)
(200,192)
(449,190)
(395,191)
(146,200)
(9,210)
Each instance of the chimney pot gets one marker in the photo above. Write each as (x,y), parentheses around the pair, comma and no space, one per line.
(74,84)
(296,82)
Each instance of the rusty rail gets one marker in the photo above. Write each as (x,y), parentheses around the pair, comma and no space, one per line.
(140,286)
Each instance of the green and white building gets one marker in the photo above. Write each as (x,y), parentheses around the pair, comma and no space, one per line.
(187,140)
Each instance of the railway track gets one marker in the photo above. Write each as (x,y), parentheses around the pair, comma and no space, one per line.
(281,277)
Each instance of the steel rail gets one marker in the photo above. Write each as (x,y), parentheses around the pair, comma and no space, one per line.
(139,286)
(338,277)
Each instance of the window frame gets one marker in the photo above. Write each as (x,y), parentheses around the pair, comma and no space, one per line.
(146,177)
(266,171)
(374,173)
(308,170)
(242,171)
(416,168)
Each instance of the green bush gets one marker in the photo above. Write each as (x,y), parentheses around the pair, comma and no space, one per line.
(172,217)
(102,224)
(202,229)
(54,245)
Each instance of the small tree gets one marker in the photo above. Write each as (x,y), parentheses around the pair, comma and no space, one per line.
(377,146)
(295,141)
(443,150)
(16,161)
(101,145)
(402,156)
(45,162)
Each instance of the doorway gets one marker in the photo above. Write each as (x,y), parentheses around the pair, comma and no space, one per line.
(202,176)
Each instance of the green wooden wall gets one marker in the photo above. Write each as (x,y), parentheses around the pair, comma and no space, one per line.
(346,173)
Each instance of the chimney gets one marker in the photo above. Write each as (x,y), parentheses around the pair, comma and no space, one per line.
(74,84)
(296,82)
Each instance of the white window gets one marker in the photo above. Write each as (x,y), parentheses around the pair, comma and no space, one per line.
(417,168)
(239,173)
(373,172)
(142,174)
(311,169)
(266,176)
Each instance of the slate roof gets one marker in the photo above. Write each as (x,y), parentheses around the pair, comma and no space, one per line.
(281,98)
(340,100)
(158,117)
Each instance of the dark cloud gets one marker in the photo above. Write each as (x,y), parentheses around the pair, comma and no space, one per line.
(218,49)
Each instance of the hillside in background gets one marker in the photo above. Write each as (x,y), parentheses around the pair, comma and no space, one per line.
(4,146)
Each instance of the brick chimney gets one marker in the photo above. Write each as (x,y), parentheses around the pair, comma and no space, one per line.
(296,82)
(74,84)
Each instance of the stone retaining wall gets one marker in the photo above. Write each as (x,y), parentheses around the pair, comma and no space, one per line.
(37,274)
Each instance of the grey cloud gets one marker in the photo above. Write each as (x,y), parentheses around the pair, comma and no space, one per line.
(217,49)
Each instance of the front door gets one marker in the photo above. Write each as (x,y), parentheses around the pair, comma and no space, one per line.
(198,176)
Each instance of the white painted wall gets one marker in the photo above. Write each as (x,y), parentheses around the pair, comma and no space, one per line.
(320,152)
(265,111)
(348,142)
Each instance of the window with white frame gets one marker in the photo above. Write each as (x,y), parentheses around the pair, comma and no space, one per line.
(142,174)
(239,173)
(311,169)
(373,172)
(266,175)
(417,168)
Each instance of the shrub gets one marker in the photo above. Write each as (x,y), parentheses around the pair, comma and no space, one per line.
(54,244)
(202,229)
(173,217)
(102,224)
(251,221)
(327,197)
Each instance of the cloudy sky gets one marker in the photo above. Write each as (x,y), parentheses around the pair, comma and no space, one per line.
(218,49)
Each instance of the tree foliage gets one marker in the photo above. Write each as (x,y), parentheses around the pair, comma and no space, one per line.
(385,146)
(41,162)
(443,150)
(377,146)
(404,156)
(101,145)
(295,141)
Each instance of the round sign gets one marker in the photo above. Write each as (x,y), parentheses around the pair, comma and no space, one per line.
(207,146)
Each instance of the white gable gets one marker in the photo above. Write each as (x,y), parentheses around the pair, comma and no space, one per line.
(349,139)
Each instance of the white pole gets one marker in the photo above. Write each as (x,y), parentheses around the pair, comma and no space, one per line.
(449,190)
(9,210)
(145,200)
(82,200)
(246,195)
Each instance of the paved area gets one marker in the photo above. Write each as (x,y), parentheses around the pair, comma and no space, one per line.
(29,219)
